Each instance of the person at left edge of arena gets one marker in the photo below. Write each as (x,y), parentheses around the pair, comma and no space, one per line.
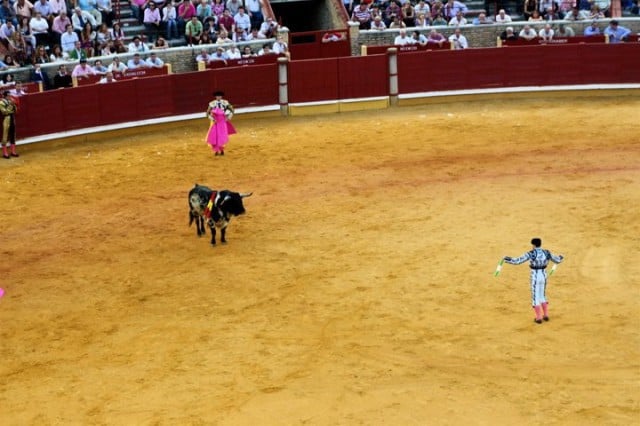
(8,110)
(219,111)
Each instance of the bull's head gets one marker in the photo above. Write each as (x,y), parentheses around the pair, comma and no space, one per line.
(232,203)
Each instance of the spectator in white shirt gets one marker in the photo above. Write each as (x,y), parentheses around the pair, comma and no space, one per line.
(546,33)
(458,41)
(242,20)
(402,39)
(137,46)
(68,39)
(117,65)
(502,17)
(527,33)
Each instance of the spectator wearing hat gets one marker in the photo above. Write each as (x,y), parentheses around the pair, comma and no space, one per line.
(219,111)
(82,70)
(8,110)
(219,55)
(616,32)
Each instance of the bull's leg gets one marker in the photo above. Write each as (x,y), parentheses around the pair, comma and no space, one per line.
(201,228)
(194,217)
(223,232)
(212,227)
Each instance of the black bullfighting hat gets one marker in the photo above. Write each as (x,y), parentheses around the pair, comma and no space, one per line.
(218,93)
(536,242)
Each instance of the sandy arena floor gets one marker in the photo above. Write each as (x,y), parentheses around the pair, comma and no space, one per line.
(357,290)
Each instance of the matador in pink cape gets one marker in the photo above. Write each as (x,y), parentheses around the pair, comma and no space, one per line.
(220,111)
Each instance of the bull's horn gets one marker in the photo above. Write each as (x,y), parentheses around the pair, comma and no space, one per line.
(246,194)
(225,199)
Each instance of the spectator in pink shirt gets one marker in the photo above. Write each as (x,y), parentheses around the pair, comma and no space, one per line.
(59,26)
(152,21)
(82,70)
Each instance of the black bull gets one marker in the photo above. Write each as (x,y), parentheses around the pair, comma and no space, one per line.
(216,207)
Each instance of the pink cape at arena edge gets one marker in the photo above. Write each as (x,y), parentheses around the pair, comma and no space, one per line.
(219,130)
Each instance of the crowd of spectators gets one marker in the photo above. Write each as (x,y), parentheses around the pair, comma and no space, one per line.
(60,31)
(48,31)
(404,14)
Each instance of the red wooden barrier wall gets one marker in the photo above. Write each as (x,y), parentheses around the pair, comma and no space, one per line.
(316,44)
(143,98)
(517,66)
(313,80)
(558,40)
(362,76)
